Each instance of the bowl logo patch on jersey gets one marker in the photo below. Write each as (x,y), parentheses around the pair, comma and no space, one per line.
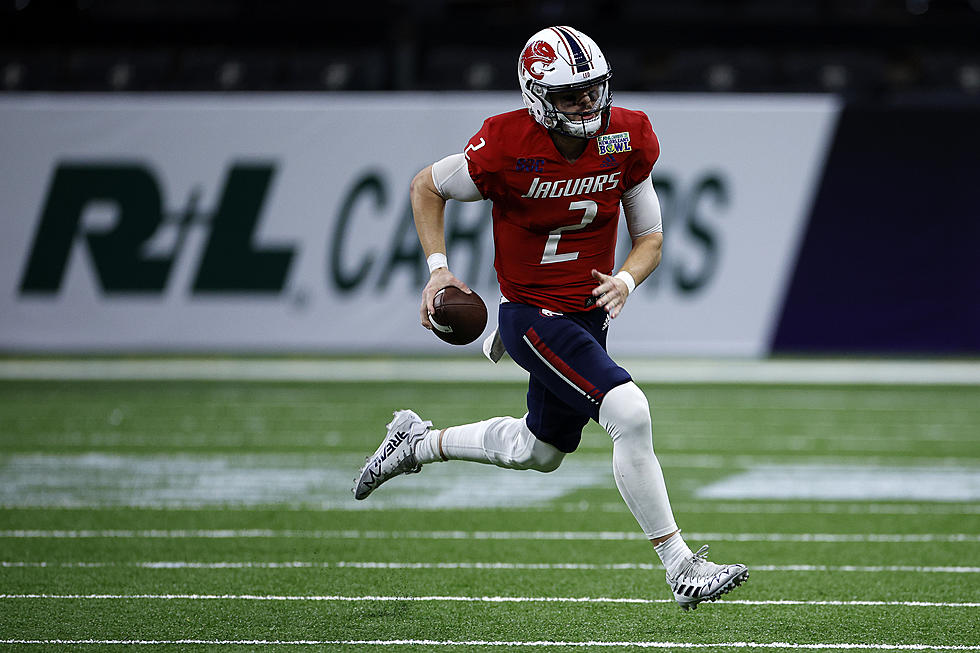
(537,59)
(614,143)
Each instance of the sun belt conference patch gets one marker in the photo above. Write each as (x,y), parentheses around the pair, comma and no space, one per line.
(614,143)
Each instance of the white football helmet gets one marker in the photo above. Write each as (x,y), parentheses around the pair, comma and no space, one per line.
(559,59)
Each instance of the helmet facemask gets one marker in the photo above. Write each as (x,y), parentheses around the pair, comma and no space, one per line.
(585,124)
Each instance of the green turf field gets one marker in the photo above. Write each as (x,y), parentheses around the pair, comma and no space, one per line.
(217,515)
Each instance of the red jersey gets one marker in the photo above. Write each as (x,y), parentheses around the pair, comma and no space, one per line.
(554,221)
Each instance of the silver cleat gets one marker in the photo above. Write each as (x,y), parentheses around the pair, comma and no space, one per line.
(395,456)
(700,580)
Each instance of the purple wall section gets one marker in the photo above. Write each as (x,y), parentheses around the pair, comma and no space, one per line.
(890,262)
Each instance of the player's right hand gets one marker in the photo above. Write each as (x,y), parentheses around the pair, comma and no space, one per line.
(439,279)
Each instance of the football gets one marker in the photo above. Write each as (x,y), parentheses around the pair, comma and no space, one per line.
(460,318)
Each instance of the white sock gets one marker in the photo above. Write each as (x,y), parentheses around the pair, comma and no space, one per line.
(625,414)
(673,553)
(427,449)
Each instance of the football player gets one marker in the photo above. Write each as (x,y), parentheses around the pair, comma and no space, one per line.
(557,173)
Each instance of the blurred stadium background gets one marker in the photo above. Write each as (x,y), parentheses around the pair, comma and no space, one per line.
(869,49)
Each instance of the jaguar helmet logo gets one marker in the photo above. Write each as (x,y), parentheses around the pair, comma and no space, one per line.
(537,59)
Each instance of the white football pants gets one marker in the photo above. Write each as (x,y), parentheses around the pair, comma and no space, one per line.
(624,413)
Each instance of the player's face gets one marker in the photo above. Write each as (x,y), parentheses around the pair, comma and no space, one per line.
(579,101)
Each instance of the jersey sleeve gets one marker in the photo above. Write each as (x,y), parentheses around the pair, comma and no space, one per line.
(451,178)
(646,151)
(482,154)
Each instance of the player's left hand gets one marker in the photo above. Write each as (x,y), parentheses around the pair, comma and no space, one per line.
(610,294)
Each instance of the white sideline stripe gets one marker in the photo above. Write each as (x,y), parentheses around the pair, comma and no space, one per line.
(489,535)
(746,507)
(801,508)
(426,369)
(804,508)
(575,566)
(478,642)
(468,599)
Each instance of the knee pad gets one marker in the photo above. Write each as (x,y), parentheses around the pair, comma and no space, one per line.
(625,412)
(536,454)
(508,442)
(544,457)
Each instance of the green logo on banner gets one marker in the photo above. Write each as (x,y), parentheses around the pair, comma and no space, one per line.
(122,254)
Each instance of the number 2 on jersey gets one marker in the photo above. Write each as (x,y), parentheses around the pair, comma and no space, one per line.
(551,254)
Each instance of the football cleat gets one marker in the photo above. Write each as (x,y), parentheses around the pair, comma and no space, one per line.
(699,580)
(395,456)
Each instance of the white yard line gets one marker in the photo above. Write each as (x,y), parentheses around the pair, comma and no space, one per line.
(576,566)
(729,461)
(506,643)
(429,368)
(615,507)
(464,599)
(490,535)
(872,508)
(795,508)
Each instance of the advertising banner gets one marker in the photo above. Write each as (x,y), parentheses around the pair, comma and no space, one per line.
(282,222)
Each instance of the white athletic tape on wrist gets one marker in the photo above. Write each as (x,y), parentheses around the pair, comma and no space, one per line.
(628,279)
(436,261)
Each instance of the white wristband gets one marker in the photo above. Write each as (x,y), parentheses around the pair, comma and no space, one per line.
(436,261)
(628,279)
